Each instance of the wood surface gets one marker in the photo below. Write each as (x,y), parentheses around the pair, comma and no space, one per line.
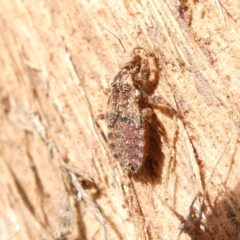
(58,179)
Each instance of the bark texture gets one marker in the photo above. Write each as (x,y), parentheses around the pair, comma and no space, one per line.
(58,179)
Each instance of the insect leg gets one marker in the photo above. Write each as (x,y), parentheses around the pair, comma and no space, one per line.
(162,103)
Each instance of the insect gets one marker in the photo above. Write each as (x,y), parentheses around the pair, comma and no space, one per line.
(129,109)
(233,219)
(194,223)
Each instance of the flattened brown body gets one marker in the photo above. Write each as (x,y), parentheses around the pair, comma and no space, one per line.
(128,130)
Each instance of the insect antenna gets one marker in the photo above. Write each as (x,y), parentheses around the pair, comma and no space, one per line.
(116,37)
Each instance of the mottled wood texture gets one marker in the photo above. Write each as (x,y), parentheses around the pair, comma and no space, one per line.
(56,59)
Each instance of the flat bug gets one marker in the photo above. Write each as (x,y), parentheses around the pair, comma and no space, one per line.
(129,109)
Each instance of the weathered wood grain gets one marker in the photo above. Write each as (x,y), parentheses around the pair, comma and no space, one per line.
(56,59)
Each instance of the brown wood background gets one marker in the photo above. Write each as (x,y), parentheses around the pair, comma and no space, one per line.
(57,176)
